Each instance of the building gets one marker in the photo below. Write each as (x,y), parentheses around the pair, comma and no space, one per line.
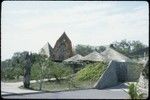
(63,48)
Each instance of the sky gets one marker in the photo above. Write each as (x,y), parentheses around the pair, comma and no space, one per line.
(29,25)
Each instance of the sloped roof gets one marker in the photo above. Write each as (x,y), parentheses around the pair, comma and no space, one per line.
(94,56)
(111,54)
(75,58)
(63,48)
(46,50)
(62,38)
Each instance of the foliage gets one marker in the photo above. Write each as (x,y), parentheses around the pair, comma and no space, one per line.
(100,49)
(57,70)
(83,49)
(14,68)
(45,68)
(35,71)
(91,72)
(50,70)
(15,65)
(41,67)
(86,49)
(128,47)
(133,91)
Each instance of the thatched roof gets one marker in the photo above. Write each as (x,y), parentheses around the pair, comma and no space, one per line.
(75,58)
(111,54)
(46,50)
(63,48)
(94,56)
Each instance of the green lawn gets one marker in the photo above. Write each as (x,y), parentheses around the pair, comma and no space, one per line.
(62,86)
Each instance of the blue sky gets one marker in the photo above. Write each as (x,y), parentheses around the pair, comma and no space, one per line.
(28,25)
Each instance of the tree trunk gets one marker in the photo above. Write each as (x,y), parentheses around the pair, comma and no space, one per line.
(40,85)
(27,69)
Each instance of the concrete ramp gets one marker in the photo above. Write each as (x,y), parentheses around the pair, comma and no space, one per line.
(118,72)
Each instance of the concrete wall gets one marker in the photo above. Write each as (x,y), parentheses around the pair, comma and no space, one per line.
(109,78)
(133,71)
(118,72)
(121,71)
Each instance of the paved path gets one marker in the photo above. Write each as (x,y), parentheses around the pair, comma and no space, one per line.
(79,94)
(13,88)
(116,92)
(8,88)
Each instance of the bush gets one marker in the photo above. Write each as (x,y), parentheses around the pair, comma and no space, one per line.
(51,70)
(58,70)
(35,72)
(91,72)
(133,92)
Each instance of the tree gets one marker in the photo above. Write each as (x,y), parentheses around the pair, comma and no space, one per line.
(100,49)
(124,46)
(15,65)
(6,68)
(9,74)
(86,49)
(83,49)
(45,68)
(37,71)
(57,70)
(137,45)
(128,47)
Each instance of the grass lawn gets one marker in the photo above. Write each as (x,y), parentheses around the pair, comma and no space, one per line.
(62,86)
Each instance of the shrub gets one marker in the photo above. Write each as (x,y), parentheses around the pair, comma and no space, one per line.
(58,70)
(51,70)
(133,92)
(35,71)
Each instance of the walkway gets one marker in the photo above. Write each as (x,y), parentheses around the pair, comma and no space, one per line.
(13,88)
(117,92)
(8,88)
(79,94)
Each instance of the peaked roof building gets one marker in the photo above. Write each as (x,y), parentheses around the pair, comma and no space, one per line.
(46,50)
(94,56)
(63,48)
(75,58)
(111,54)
